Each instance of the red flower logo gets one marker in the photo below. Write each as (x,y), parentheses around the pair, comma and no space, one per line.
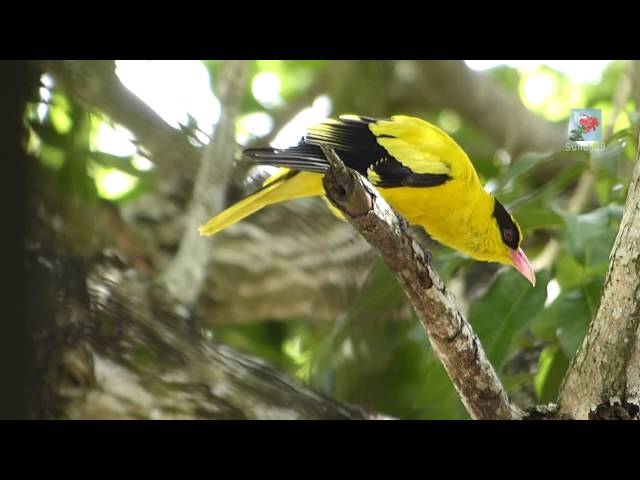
(589,123)
(586,124)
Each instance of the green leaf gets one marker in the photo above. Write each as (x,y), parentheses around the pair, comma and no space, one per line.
(60,120)
(552,365)
(537,215)
(569,316)
(524,164)
(264,339)
(590,236)
(113,161)
(52,157)
(380,294)
(604,187)
(509,305)
(570,273)
(381,291)
(565,178)
(574,315)
(607,160)
(436,398)
(576,135)
(50,135)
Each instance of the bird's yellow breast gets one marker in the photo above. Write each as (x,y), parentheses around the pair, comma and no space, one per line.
(456,214)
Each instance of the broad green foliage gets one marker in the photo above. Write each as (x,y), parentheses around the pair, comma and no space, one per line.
(553,363)
(375,354)
(588,237)
(506,310)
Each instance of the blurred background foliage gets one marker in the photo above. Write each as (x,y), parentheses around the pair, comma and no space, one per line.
(530,334)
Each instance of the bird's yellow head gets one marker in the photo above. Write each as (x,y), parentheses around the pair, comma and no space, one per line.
(503,245)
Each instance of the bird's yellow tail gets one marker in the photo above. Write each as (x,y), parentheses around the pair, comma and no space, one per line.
(284,185)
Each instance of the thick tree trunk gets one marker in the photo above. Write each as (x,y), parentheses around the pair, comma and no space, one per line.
(18,85)
(603,379)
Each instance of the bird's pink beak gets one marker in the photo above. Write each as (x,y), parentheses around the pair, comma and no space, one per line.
(521,263)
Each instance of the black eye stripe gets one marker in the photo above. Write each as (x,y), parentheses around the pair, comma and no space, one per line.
(508,229)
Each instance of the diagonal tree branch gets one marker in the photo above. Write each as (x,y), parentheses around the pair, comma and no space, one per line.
(494,111)
(606,367)
(451,337)
(96,84)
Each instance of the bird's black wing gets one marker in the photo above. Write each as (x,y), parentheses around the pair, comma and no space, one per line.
(356,146)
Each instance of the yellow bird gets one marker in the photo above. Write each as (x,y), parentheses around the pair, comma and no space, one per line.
(417,168)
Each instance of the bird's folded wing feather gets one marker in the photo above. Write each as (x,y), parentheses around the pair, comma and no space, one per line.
(395,152)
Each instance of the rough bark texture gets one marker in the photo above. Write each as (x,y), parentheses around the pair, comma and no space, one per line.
(451,337)
(104,352)
(606,368)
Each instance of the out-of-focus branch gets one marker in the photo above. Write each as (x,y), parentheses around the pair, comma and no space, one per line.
(605,369)
(96,84)
(495,112)
(451,337)
(621,95)
(187,271)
